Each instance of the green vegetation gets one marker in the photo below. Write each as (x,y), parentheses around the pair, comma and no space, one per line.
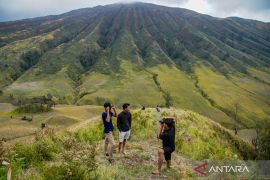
(248,94)
(129,85)
(148,56)
(185,95)
(261,142)
(32,108)
(79,154)
(143,54)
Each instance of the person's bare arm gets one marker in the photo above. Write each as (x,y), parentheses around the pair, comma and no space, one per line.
(174,119)
(108,118)
(114,111)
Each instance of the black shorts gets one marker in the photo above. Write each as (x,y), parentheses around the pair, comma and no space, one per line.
(168,153)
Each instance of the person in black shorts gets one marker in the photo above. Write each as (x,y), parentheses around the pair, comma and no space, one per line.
(167,135)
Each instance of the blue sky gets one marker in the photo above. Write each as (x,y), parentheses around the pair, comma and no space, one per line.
(251,9)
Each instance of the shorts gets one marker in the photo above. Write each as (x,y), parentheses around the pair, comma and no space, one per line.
(168,153)
(124,135)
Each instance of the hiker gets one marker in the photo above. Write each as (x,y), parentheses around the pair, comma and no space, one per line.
(235,131)
(157,108)
(167,135)
(108,129)
(124,127)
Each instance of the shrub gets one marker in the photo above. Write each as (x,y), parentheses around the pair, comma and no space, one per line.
(143,125)
(30,58)
(25,153)
(91,134)
(262,142)
(89,57)
(18,163)
(79,163)
(32,108)
(69,170)
(45,149)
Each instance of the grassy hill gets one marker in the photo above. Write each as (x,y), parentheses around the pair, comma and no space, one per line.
(79,153)
(143,54)
(60,118)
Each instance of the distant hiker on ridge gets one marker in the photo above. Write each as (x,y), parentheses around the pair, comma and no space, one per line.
(108,129)
(157,108)
(124,127)
(235,131)
(143,108)
(167,135)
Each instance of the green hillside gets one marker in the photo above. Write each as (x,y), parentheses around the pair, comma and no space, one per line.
(143,54)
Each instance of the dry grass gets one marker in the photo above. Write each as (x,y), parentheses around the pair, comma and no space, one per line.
(59,118)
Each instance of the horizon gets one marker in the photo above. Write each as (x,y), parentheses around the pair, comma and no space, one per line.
(6,17)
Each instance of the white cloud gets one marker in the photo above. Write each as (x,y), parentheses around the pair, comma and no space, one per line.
(197,5)
(250,9)
(254,9)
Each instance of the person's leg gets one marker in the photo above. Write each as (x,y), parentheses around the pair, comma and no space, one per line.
(120,147)
(106,142)
(124,146)
(168,156)
(121,139)
(112,144)
(160,161)
(126,137)
(169,164)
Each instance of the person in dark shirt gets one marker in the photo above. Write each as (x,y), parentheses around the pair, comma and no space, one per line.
(157,108)
(124,127)
(108,129)
(167,135)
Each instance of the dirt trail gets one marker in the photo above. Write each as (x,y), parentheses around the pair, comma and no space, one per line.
(140,161)
(79,125)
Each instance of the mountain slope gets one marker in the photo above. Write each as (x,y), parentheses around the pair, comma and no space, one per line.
(124,44)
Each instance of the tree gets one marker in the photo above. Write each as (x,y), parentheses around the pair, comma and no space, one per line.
(262,142)
(30,58)
(11,96)
(88,58)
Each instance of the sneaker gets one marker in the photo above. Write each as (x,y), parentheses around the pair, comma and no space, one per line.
(124,152)
(156,172)
(111,161)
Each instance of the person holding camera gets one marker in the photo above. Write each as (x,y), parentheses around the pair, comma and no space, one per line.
(124,127)
(108,129)
(167,135)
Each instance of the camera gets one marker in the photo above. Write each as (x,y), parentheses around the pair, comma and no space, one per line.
(168,121)
(161,121)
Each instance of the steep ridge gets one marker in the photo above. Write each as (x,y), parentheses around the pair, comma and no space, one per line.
(59,54)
